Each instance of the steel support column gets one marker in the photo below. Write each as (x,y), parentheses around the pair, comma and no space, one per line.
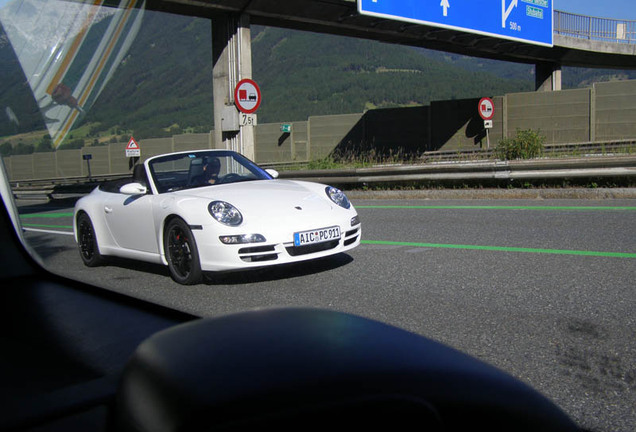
(232,58)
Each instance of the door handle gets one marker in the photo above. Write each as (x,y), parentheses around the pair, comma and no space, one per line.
(108,209)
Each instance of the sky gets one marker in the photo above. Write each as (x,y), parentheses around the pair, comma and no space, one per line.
(617,9)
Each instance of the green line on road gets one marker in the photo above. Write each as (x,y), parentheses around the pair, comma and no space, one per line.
(503,249)
(485,207)
(46,215)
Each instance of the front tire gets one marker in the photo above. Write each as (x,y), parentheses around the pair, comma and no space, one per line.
(182,253)
(87,242)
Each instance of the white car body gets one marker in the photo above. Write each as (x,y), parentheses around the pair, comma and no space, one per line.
(132,224)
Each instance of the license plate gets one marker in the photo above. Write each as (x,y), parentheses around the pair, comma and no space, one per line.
(316,236)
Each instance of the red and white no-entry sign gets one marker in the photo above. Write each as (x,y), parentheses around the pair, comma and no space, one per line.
(486,108)
(247,96)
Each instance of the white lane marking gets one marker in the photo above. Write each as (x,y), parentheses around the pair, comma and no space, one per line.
(47,231)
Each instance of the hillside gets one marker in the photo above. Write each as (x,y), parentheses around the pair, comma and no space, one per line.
(300,74)
(572,77)
(306,74)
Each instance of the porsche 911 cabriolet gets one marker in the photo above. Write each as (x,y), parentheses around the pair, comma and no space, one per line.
(212,210)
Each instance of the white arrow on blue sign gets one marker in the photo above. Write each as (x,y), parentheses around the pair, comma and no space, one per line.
(523,20)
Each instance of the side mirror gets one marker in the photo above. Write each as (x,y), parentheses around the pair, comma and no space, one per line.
(272,172)
(133,189)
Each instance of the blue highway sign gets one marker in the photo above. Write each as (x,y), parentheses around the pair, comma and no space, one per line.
(523,20)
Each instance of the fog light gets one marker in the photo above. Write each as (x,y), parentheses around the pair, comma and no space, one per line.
(242,239)
(355,220)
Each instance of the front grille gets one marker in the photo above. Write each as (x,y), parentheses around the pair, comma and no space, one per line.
(352,232)
(312,248)
(351,236)
(256,249)
(260,258)
(258,253)
(349,241)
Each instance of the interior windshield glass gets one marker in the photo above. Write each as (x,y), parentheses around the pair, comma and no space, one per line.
(362,165)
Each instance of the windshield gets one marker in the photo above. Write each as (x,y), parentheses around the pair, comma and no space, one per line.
(136,168)
(204,168)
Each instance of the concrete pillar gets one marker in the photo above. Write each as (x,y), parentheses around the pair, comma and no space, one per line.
(232,59)
(547,76)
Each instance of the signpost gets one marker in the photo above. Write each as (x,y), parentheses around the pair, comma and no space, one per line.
(523,20)
(133,151)
(87,158)
(247,97)
(486,109)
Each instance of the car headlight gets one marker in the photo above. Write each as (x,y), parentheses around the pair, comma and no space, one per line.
(225,213)
(338,197)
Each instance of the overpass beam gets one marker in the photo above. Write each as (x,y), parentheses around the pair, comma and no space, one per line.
(232,62)
(547,76)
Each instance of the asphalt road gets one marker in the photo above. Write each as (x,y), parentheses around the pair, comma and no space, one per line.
(544,290)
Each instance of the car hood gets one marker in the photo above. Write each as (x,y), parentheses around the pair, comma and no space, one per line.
(268,197)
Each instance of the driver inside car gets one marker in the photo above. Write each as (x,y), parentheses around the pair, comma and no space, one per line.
(210,174)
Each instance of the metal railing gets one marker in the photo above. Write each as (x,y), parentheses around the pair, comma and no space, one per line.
(593,28)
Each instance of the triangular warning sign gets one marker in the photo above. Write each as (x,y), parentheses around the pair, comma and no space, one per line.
(132,144)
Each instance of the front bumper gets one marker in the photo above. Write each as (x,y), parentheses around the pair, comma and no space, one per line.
(216,256)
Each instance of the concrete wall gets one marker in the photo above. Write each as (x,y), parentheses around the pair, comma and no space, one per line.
(456,125)
(562,117)
(196,141)
(604,112)
(327,132)
(272,145)
(615,110)
(100,162)
(20,167)
(386,132)
(69,163)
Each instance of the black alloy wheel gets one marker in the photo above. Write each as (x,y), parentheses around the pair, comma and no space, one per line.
(87,242)
(182,253)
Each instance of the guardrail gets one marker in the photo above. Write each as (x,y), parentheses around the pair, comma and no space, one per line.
(501,172)
(593,28)
(596,148)
(551,150)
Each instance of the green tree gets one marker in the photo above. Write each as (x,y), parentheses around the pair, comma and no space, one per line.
(6,149)
(22,149)
(74,144)
(44,145)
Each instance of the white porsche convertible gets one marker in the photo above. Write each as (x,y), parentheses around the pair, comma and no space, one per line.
(212,210)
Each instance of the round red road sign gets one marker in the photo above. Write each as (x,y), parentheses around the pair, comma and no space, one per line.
(247,96)
(486,108)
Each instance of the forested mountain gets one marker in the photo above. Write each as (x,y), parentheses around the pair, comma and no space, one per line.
(164,84)
(165,79)
(306,74)
(572,77)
